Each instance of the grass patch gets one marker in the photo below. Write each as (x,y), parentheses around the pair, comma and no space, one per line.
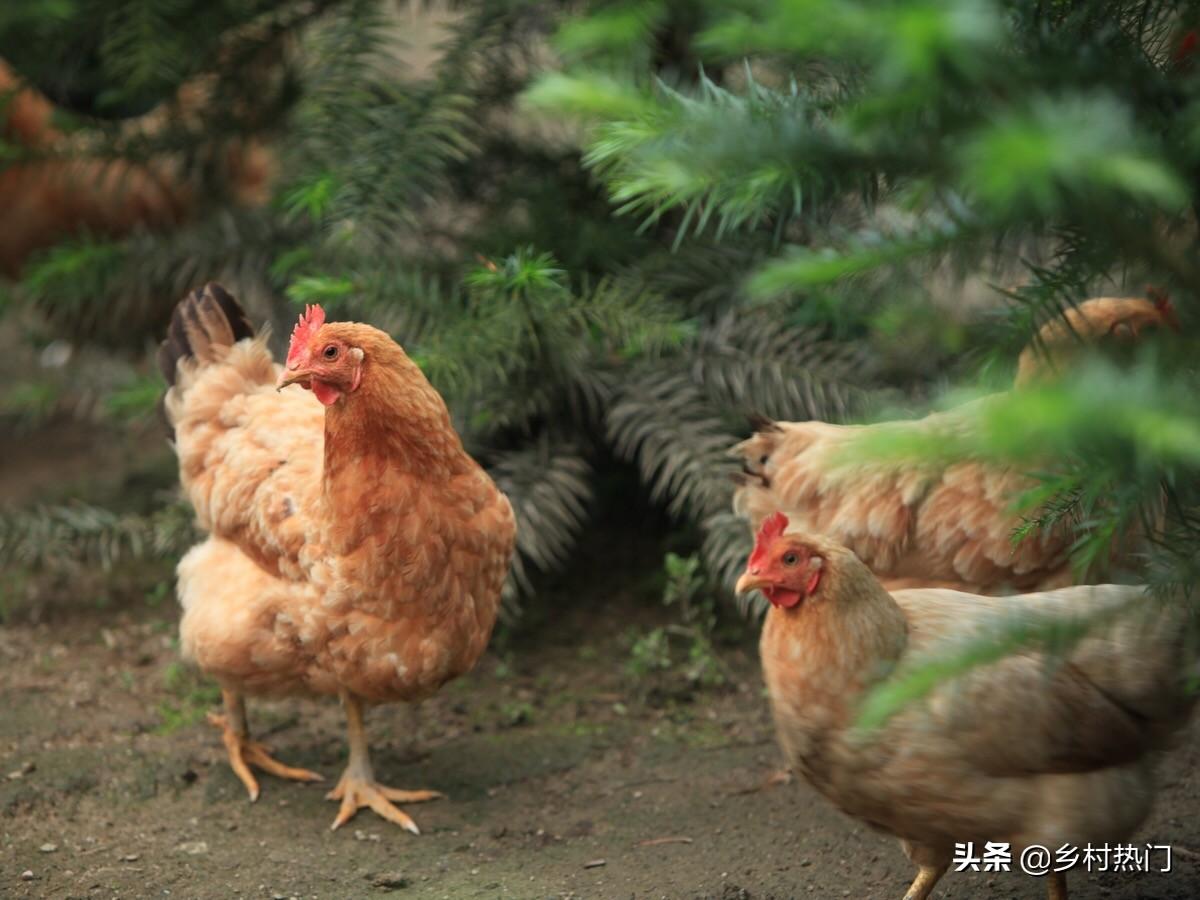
(193,697)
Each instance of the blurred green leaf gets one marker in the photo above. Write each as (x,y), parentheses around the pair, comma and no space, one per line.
(320,289)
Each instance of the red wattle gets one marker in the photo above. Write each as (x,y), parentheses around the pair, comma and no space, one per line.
(326,393)
(813,580)
(782,597)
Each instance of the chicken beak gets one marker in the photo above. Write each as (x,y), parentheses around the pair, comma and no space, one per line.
(750,582)
(290,377)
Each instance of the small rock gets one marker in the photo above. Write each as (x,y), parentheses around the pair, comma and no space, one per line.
(48,848)
(595,863)
(131,857)
(390,881)
(193,848)
(27,875)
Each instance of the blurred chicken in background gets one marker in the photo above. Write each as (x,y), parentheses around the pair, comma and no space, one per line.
(933,524)
(46,199)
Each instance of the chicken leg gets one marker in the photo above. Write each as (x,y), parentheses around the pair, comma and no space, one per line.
(1056,886)
(358,788)
(244,752)
(924,883)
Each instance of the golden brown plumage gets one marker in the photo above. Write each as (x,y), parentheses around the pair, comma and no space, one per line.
(1100,320)
(357,548)
(1026,750)
(934,525)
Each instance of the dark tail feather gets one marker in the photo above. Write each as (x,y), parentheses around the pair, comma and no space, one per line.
(760,423)
(206,318)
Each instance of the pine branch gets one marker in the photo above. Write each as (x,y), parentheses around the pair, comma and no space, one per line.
(548,484)
(746,362)
(661,422)
(727,544)
(76,536)
(736,161)
(141,277)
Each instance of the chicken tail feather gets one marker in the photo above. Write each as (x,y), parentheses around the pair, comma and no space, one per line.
(206,319)
(761,424)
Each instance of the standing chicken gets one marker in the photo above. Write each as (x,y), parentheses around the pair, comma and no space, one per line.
(1028,750)
(356,548)
(930,525)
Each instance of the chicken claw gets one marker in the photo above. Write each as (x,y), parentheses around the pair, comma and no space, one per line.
(356,793)
(358,788)
(923,884)
(244,752)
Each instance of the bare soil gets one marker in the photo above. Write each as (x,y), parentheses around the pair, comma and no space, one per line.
(566,778)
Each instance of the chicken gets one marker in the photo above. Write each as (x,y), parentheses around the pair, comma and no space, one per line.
(1026,750)
(356,548)
(46,200)
(930,525)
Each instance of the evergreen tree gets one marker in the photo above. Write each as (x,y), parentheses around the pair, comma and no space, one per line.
(609,233)
(881,143)
(564,339)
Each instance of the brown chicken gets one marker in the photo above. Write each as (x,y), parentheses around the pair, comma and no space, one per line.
(946,525)
(356,548)
(1026,750)
(46,200)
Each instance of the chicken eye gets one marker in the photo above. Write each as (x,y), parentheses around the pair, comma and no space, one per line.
(331,352)
(762,460)
(790,558)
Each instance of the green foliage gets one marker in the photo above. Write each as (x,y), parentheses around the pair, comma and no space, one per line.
(192,697)
(699,211)
(689,589)
(136,399)
(78,535)
(866,150)
(30,403)
(420,201)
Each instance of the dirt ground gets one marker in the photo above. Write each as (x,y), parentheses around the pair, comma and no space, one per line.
(566,779)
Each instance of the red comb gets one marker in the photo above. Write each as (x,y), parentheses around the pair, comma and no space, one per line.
(310,320)
(772,527)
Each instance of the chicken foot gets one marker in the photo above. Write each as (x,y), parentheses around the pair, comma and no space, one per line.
(244,752)
(358,788)
(928,877)
(923,884)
